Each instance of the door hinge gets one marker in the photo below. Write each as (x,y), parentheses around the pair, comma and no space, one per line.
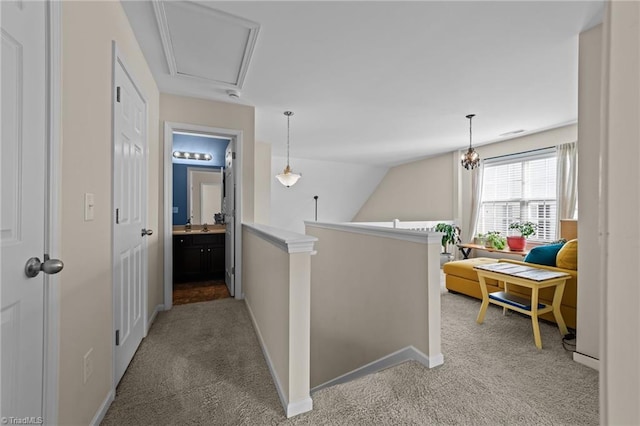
(117,337)
(117,216)
(233,270)
(118,94)
(233,155)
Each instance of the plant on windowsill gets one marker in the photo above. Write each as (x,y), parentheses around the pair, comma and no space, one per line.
(525,229)
(451,235)
(493,239)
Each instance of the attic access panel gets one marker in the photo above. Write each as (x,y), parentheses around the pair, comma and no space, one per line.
(204,43)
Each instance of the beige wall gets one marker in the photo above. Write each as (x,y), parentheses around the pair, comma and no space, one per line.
(223,115)
(384,298)
(267,296)
(421,190)
(591,252)
(278,302)
(438,188)
(86,310)
(620,369)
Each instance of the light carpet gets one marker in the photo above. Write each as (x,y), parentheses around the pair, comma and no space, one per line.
(201,364)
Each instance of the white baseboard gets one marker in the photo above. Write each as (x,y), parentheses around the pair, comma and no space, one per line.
(299,407)
(290,408)
(157,309)
(587,360)
(409,353)
(102,411)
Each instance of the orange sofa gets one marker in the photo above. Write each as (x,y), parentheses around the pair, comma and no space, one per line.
(462,278)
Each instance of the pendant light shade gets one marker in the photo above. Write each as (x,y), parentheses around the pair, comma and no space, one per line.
(287,177)
(470,159)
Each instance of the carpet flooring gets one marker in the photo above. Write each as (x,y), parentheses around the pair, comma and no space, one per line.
(200,291)
(201,364)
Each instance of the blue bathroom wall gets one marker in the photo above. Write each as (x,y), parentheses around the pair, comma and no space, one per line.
(192,143)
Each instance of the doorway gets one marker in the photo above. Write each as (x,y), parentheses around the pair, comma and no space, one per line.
(204,257)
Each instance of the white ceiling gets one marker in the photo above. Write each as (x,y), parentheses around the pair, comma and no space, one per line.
(383,83)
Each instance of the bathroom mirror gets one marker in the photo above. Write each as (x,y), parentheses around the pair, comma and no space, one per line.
(204,194)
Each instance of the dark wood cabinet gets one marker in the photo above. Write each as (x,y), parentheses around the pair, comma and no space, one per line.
(198,256)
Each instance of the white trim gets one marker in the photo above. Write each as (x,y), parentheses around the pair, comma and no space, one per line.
(104,407)
(157,309)
(420,237)
(54,171)
(235,136)
(586,360)
(287,241)
(410,353)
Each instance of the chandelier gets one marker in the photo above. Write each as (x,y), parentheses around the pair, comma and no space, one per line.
(470,159)
(287,177)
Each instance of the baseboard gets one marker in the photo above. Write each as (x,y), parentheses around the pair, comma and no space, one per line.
(102,411)
(409,353)
(299,407)
(290,408)
(157,309)
(587,360)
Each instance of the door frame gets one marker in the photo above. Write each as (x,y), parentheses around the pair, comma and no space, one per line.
(235,137)
(118,57)
(53,235)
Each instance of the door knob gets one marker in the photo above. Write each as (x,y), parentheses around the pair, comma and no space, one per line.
(146,232)
(49,266)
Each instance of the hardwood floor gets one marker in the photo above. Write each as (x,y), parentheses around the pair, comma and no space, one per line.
(199,291)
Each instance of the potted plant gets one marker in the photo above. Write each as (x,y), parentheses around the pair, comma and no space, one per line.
(493,239)
(525,229)
(451,235)
(479,239)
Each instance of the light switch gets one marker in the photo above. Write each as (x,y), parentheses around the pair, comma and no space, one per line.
(89,206)
(175,209)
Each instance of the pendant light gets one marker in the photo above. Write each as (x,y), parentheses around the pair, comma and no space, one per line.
(470,159)
(287,177)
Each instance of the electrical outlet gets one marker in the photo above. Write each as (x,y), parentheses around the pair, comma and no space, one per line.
(87,366)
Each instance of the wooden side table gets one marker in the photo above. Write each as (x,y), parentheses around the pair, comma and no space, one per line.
(525,276)
(465,249)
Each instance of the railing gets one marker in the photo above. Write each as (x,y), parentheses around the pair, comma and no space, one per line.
(417,225)
(276,274)
(375,300)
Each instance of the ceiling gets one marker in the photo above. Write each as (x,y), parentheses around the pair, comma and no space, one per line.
(377,83)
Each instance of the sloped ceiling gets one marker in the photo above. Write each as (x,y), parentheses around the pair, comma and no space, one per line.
(375,82)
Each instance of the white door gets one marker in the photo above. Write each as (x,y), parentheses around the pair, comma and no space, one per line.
(129,197)
(229,208)
(23,215)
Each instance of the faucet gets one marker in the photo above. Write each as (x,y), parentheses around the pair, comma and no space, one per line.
(187,226)
(204,228)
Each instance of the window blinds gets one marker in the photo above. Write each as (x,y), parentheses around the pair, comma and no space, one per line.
(520,188)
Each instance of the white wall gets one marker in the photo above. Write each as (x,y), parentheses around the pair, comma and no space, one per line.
(590,253)
(341,188)
(619,366)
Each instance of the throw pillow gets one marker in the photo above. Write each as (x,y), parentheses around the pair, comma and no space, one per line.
(544,255)
(567,257)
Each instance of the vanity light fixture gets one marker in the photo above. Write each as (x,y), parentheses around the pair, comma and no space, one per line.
(183,155)
(470,159)
(287,177)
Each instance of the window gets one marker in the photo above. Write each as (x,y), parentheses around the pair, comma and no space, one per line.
(520,187)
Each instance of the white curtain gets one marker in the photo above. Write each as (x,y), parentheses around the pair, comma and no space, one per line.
(567,181)
(476,198)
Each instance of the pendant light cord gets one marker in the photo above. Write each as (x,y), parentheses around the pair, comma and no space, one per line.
(288,117)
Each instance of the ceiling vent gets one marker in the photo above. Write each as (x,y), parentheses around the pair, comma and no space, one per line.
(204,43)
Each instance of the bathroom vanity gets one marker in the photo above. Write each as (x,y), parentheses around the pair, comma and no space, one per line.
(197,254)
